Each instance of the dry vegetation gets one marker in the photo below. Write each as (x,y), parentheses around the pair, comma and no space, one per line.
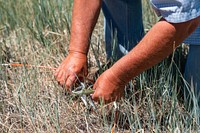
(36,32)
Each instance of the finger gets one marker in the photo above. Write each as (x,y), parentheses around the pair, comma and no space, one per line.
(95,85)
(57,69)
(85,71)
(70,81)
(81,77)
(95,96)
(60,75)
(56,72)
(61,78)
(100,99)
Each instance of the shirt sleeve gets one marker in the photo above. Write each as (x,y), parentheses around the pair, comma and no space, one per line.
(177,11)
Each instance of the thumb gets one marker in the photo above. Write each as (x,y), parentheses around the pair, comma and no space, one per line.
(85,70)
(95,95)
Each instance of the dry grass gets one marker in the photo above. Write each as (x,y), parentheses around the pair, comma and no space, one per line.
(32,101)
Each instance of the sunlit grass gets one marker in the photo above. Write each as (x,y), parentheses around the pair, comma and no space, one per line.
(36,32)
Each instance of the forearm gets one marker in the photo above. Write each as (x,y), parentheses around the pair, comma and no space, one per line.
(84,17)
(158,43)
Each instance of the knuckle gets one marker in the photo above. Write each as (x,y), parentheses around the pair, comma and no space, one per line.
(67,85)
(61,83)
(95,97)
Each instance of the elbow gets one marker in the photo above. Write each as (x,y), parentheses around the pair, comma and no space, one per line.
(183,30)
(193,25)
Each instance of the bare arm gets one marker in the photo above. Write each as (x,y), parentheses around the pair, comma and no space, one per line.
(84,17)
(159,42)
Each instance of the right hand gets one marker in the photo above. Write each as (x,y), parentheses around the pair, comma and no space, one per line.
(74,66)
(108,87)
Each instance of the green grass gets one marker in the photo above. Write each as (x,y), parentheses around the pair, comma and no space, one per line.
(37,32)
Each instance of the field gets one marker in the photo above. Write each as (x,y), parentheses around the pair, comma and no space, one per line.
(37,32)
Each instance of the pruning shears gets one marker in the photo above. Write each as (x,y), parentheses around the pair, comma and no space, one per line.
(84,92)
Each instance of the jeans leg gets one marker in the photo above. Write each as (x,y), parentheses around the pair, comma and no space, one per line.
(192,69)
(123,26)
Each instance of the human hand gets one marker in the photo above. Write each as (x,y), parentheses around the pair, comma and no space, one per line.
(74,66)
(108,87)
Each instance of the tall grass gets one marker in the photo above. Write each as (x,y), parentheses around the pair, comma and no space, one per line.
(37,32)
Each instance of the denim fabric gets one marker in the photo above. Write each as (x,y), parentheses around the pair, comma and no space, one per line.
(123,26)
(192,68)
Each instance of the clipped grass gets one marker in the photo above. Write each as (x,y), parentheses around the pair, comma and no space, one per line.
(37,32)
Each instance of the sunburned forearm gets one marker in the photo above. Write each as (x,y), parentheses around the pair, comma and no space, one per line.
(159,42)
(85,14)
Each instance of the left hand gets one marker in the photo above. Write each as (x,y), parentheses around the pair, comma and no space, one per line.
(73,66)
(108,87)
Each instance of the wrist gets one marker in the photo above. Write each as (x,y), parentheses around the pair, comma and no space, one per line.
(116,76)
(81,47)
(122,72)
(77,54)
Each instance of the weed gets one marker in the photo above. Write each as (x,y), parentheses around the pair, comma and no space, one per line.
(36,32)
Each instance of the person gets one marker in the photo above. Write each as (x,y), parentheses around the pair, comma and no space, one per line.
(82,25)
(179,19)
(192,69)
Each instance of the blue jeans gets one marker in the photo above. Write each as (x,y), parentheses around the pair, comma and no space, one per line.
(192,69)
(123,26)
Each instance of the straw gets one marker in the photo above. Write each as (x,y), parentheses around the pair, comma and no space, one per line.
(27,65)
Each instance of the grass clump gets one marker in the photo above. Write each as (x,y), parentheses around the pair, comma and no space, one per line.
(37,32)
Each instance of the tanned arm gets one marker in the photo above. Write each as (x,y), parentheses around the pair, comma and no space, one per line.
(84,18)
(157,44)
